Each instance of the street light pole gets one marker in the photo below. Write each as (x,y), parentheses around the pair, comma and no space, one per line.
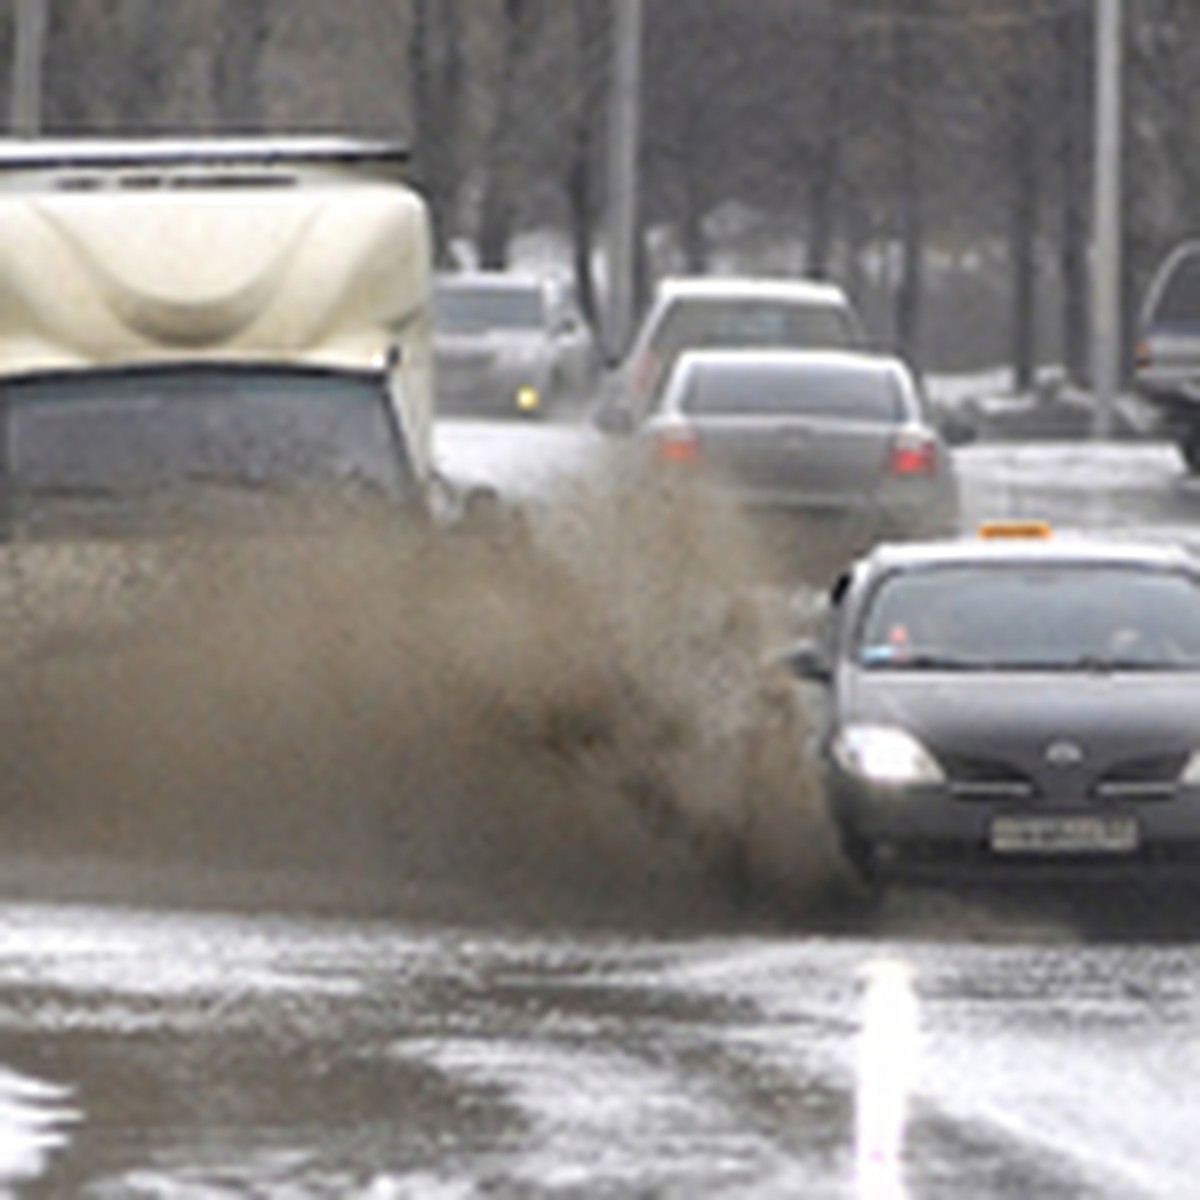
(1106,236)
(623,170)
(25,117)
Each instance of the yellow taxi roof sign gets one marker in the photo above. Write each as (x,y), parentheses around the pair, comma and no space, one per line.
(1016,529)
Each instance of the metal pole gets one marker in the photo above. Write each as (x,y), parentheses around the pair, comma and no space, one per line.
(623,171)
(1106,238)
(25,118)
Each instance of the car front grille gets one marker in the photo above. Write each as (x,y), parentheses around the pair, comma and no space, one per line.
(1145,779)
(982,780)
(1142,780)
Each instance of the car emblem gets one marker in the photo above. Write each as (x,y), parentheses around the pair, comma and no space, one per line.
(1064,754)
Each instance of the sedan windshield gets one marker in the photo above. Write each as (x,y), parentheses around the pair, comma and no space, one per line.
(133,432)
(1031,617)
(749,323)
(471,310)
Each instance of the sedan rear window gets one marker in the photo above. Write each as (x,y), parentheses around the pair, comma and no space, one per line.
(1033,618)
(766,389)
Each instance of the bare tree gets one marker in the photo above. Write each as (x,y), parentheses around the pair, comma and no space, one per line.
(593,27)
(1072,28)
(824,175)
(110,68)
(437,72)
(909,147)
(243,31)
(1023,116)
(501,160)
(920,146)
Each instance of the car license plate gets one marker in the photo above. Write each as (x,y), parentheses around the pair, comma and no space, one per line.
(1064,835)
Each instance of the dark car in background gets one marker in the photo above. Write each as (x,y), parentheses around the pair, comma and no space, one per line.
(809,432)
(1013,708)
(1167,359)
(509,344)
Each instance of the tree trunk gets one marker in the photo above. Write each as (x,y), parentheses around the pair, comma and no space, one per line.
(499,200)
(825,174)
(437,73)
(243,31)
(691,230)
(1072,43)
(1023,112)
(911,219)
(593,39)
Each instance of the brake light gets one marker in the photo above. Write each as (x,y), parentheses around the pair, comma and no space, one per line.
(677,445)
(913,454)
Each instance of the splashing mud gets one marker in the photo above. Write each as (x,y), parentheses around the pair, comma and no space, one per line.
(567,722)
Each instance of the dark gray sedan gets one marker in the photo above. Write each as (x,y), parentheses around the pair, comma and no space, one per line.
(807,431)
(1014,708)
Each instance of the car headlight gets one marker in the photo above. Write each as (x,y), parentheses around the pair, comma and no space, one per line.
(528,399)
(885,755)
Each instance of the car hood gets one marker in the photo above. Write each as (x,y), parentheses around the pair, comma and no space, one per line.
(1112,718)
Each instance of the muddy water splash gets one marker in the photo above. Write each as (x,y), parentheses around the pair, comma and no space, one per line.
(565,723)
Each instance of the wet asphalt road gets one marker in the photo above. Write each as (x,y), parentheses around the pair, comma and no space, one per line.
(946,1052)
(196,1037)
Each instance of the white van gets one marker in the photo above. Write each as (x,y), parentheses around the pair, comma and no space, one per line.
(703,312)
(230,311)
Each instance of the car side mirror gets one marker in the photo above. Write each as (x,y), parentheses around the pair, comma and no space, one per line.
(807,661)
(956,430)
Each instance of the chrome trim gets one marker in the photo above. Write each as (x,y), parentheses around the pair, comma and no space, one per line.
(1000,789)
(1133,790)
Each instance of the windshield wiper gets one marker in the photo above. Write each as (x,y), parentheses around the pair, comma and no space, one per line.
(924,662)
(1105,665)
(1095,664)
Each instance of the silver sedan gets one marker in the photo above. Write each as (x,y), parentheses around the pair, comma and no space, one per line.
(806,431)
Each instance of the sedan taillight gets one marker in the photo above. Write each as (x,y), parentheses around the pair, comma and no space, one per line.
(677,445)
(913,453)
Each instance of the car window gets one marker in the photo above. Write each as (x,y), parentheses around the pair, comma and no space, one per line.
(469,310)
(1179,301)
(147,430)
(752,323)
(765,389)
(1034,617)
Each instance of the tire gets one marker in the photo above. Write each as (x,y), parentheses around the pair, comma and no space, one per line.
(1189,447)
(859,854)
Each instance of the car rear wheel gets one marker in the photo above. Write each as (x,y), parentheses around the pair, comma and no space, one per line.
(1189,447)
